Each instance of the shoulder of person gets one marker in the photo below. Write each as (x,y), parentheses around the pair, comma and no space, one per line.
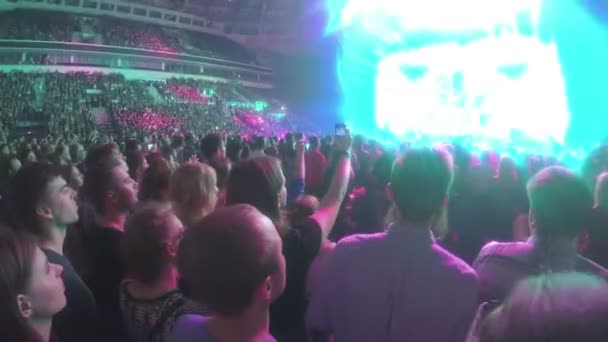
(357,243)
(460,268)
(187,328)
(358,239)
(506,249)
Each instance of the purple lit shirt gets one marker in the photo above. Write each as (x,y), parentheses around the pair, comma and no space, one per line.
(193,328)
(398,285)
(500,265)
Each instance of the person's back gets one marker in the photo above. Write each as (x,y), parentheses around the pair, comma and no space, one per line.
(501,265)
(552,307)
(400,284)
(196,328)
(394,286)
(560,207)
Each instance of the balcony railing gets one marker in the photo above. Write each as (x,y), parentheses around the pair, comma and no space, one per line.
(28,52)
(138,12)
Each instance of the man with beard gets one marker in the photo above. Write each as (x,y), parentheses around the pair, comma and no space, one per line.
(112,193)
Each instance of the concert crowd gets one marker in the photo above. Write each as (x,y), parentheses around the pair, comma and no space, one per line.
(145,212)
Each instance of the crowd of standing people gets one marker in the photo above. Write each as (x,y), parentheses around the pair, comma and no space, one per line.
(213,237)
(138,211)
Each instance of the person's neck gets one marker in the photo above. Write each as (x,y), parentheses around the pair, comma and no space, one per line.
(556,253)
(190,216)
(111,219)
(251,326)
(399,221)
(167,282)
(43,328)
(56,239)
(564,246)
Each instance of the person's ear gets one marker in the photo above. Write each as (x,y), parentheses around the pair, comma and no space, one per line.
(24,305)
(44,212)
(265,289)
(171,250)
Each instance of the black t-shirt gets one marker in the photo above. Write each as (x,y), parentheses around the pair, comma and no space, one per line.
(105,276)
(300,246)
(76,322)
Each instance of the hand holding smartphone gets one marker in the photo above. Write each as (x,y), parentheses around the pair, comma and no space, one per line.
(340,129)
(342,140)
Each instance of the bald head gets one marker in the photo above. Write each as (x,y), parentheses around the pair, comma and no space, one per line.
(226,257)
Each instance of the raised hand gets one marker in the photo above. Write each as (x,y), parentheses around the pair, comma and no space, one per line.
(343,143)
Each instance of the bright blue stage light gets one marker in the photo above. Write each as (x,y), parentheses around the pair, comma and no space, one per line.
(445,68)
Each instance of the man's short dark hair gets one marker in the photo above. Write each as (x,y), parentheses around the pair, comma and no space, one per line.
(560,201)
(99,154)
(210,144)
(420,181)
(224,258)
(155,182)
(26,190)
(98,182)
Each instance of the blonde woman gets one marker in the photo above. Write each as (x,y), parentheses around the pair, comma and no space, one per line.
(193,191)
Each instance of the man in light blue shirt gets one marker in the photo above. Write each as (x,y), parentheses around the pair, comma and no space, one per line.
(399,285)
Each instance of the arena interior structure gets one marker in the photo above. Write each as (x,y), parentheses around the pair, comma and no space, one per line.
(518,74)
(82,65)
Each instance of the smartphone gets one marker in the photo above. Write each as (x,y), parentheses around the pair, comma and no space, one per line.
(150,146)
(340,129)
